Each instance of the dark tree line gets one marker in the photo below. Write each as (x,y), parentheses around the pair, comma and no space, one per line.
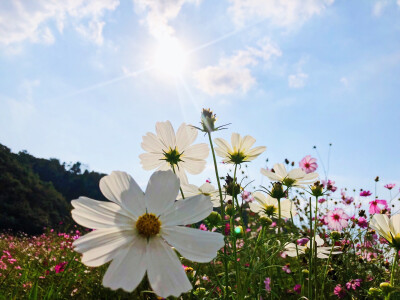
(36,192)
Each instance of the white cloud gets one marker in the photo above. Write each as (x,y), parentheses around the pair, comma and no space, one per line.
(282,13)
(29,20)
(297,80)
(233,73)
(378,7)
(344,81)
(159,13)
(398,2)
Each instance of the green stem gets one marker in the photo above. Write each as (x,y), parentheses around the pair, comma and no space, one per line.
(234,197)
(394,268)
(279,217)
(222,215)
(326,269)
(311,257)
(173,169)
(315,247)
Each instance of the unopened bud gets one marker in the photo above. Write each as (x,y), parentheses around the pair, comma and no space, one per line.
(277,191)
(214,218)
(335,235)
(265,221)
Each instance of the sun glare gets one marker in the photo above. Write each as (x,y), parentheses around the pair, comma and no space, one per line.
(170,57)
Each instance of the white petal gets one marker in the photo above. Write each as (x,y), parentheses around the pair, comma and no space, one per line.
(185,136)
(100,246)
(198,151)
(166,133)
(223,146)
(151,143)
(194,244)
(256,207)
(188,211)
(271,175)
(98,214)
(236,141)
(180,172)
(395,224)
(189,190)
(260,198)
(127,269)
(280,170)
(164,270)
(380,223)
(122,189)
(194,166)
(247,142)
(255,152)
(296,174)
(161,191)
(151,161)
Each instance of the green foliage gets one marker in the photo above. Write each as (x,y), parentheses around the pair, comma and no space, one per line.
(35,193)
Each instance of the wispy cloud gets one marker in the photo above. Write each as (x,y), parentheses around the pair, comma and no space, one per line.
(379,7)
(159,13)
(233,73)
(299,79)
(33,20)
(282,13)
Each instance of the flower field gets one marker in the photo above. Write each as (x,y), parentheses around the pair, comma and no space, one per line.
(299,236)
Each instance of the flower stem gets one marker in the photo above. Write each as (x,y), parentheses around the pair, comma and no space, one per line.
(326,269)
(311,257)
(315,245)
(394,267)
(222,215)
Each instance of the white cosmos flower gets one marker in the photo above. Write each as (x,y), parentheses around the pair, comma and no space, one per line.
(267,206)
(206,189)
(240,151)
(137,230)
(322,252)
(167,149)
(295,177)
(389,229)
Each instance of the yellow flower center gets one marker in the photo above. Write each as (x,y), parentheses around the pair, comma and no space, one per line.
(173,157)
(237,157)
(270,210)
(148,225)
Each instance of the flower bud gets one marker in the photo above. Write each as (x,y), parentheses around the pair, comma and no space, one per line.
(229,209)
(277,191)
(386,287)
(265,221)
(208,120)
(317,189)
(214,218)
(335,235)
(374,292)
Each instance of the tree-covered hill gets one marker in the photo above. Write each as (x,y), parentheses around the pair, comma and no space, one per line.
(36,192)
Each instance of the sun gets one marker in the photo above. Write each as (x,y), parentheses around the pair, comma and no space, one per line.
(170,57)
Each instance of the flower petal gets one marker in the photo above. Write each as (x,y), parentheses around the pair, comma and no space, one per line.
(166,133)
(246,143)
(127,269)
(194,244)
(198,151)
(271,175)
(236,141)
(280,171)
(164,270)
(100,246)
(121,188)
(161,191)
(151,143)
(151,161)
(99,214)
(194,166)
(380,223)
(188,211)
(394,224)
(185,136)
(223,147)
(255,152)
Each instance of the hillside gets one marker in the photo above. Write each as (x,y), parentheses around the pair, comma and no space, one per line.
(36,192)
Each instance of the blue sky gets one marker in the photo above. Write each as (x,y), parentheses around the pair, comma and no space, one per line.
(79,82)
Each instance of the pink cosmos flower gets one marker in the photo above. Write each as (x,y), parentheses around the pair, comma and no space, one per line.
(308,164)
(337,219)
(286,269)
(246,196)
(60,267)
(339,291)
(297,288)
(203,227)
(362,222)
(302,241)
(374,208)
(321,200)
(267,283)
(365,193)
(353,284)
(348,200)
(329,185)
(389,186)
